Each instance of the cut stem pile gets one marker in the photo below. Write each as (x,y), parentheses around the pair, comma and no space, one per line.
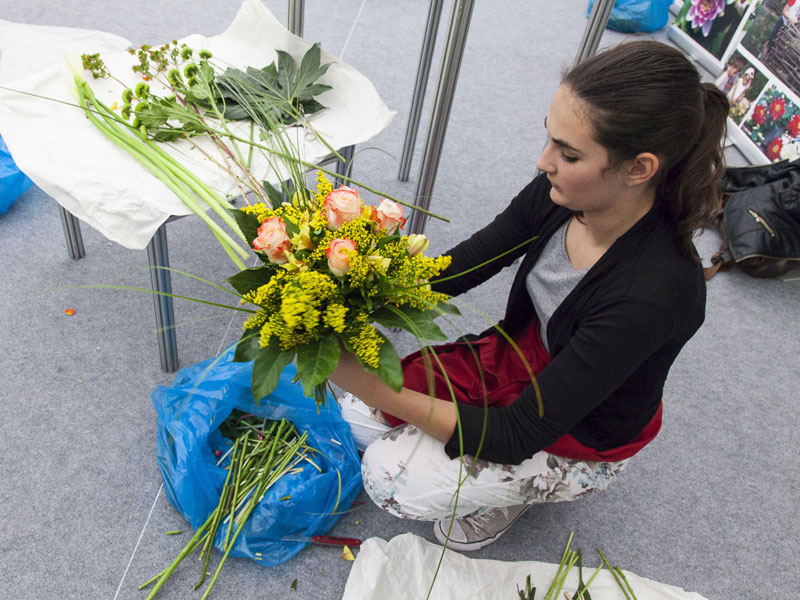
(261,453)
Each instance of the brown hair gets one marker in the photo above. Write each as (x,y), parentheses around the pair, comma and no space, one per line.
(645,96)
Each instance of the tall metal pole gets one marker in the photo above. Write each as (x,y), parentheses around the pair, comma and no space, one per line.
(295,18)
(598,19)
(420,86)
(443,101)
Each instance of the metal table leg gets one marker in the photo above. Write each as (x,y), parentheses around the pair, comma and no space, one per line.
(345,168)
(445,90)
(72,233)
(158,256)
(420,86)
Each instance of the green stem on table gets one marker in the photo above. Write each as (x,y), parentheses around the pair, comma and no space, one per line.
(585,589)
(162,165)
(614,574)
(627,584)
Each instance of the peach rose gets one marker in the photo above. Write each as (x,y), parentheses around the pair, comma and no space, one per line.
(342,206)
(338,260)
(389,216)
(273,241)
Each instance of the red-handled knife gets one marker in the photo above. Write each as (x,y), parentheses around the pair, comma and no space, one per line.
(325,540)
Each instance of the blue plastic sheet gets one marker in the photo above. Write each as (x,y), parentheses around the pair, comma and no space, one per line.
(189,415)
(12,181)
(632,16)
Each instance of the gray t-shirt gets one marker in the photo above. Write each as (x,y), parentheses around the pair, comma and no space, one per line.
(552,279)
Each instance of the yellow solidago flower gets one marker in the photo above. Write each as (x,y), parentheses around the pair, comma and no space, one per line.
(261,211)
(334,317)
(303,298)
(324,187)
(366,342)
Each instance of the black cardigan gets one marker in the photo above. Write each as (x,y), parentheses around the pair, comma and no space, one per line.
(612,340)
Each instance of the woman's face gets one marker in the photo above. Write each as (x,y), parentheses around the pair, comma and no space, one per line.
(574,162)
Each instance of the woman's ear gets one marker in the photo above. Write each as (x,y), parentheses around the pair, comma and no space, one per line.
(641,169)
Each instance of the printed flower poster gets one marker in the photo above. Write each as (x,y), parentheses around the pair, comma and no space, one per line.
(742,81)
(773,125)
(712,23)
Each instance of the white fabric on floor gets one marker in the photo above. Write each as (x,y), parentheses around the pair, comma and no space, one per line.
(62,152)
(404,567)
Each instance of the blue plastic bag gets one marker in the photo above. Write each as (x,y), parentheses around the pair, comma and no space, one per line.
(189,415)
(12,181)
(634,16)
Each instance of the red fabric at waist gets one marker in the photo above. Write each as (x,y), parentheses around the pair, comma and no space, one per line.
(499,381)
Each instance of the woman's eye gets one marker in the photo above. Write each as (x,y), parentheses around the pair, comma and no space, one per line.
(569,159)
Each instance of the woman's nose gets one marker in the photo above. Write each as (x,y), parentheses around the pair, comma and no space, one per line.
(545,163)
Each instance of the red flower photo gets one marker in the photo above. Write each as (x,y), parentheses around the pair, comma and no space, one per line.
(759,114)
(774,149)
(777,108)
(793,128)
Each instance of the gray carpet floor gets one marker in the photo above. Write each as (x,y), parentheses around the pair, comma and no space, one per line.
(711,505)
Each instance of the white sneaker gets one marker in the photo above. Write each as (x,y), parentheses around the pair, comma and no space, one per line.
(477,530)
(366,424)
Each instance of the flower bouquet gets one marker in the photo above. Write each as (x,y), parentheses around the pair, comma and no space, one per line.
(333,268)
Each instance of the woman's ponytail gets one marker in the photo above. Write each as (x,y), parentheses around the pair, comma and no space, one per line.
(690,191)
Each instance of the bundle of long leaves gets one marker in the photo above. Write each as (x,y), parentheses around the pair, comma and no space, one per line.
(333,269)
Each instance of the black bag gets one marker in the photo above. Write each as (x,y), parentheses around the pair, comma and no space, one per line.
(760,220)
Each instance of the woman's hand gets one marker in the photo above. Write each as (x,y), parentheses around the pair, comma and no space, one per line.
(435,417)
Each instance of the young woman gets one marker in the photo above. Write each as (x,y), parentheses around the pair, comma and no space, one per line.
(604,299)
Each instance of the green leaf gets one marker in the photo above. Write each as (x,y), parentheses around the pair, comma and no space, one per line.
(248,225)
(287,71)
(315,361)
(446,308)
(267,368)
(273,93)
(247,349)
(250,279)
(275,196)
(309,71)
(167,135)
(418,322)
(390,370)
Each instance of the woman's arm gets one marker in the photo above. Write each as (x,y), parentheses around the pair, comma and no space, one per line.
(435,417)
(605,350)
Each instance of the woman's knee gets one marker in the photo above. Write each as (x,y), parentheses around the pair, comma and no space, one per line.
(405,473)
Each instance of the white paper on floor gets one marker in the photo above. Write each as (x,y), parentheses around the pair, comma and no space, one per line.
(62,152)
(404,567)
